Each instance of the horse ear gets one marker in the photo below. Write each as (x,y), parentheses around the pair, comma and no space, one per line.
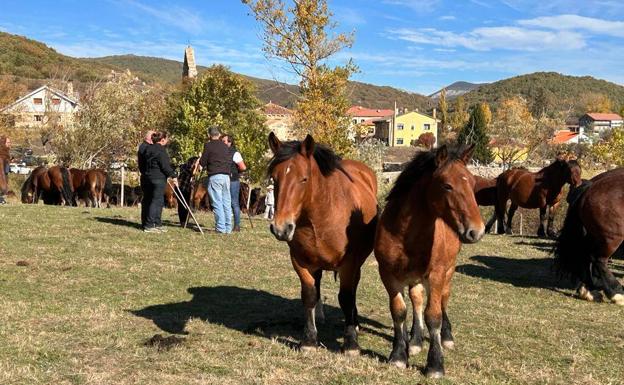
(274,143)
(307,147)
(467,154)
(441,155)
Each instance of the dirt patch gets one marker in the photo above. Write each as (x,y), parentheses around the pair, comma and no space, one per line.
(22,263)
(164,343)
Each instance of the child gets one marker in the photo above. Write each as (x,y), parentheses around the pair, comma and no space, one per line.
(269,201)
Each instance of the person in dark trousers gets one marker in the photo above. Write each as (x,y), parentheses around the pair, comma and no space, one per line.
(185,181)
(216,159)
(147,141)
(236,167)
(157,170)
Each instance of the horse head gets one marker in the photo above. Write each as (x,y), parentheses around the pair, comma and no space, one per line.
(451,195)
(291,170)
(575,179)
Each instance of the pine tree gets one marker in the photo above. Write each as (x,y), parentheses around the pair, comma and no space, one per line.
(475,131)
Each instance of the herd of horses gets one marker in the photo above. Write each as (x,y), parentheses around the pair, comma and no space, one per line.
(327,212)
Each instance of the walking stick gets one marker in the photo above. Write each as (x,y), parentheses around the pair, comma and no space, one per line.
(248,202)
(180,196)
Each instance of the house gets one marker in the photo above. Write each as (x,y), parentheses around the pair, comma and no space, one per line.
(279,120)
(599,122)
(404,129)
(35,108)
(565,137)
(366,117)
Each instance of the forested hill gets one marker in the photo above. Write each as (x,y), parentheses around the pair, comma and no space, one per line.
(547,87)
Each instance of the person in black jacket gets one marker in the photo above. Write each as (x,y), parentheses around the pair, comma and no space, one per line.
(142,167)
(157,169)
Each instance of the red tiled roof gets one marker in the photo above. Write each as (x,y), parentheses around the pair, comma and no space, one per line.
(563,136)
(275,109)
(601,116)
(369,112)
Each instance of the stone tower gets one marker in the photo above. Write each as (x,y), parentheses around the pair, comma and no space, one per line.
(189,69)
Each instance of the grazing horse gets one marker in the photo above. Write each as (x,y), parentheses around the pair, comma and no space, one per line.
(592,233)
(326,210)
(37,182)
(61,186)
(430,211)
(532,190)
(78,178)
(99,186)
(5,158)
(485,195)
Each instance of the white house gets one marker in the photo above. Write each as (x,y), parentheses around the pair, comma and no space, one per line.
(33,109)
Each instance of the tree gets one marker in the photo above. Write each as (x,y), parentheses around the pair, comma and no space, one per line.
(112,118)
(610,151)
(458,118)
(299,36)
(443,113)
(593,102)
(221,98)
(475,131)
(426,140)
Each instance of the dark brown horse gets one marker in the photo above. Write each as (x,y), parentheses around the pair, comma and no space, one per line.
(430,211)
(326,210)
(91,186)
(485,195)
(534,190)
(592,233)
(5,158)
(37,182)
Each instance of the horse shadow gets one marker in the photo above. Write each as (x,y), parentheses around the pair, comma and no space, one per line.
(533,272)
(537,243)
(254,312)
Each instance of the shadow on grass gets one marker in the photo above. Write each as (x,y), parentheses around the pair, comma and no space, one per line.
(254,312)
(118,221)
(534,272)
(538,244)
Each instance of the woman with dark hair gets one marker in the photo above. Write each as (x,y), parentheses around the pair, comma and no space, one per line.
(236,167)
(157,170)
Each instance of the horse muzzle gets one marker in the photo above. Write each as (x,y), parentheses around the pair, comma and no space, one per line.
(284,232)
(472,234)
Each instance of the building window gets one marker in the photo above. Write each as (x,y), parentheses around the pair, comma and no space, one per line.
(56,101)
(371,130)
(38,118)
(399,140)
(413,127)
(37,100)
(427,127)
(362,120)
(400,126)
(354,121)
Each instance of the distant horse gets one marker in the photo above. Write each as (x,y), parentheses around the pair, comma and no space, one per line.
(5,158)
(92,186)
(61,185)
(532,190)
(592,233)
(53,184)
(430,211)
(326,210)
(485,195)
(33,187)
(201,200)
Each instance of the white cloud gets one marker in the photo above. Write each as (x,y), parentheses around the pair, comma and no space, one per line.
(447,17)
(182,18)
(490,38)
(416,5)
(575,22)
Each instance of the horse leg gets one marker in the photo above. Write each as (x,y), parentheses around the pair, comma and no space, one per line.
(416,293)
(320,314)
(541,230)
(308,296)
(346,297)
(604,277)
(490,222)
(550,231)
(433,319)
(447,336)
(510,214)
(499,210)
(394,287)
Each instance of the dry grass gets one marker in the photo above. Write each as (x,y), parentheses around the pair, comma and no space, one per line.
(95,289)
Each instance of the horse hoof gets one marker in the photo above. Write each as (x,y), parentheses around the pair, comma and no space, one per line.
(351,352)
(307,348)
(399,364)
(434,374)
(450,345)
(585,294)
(414,350)
(618,299)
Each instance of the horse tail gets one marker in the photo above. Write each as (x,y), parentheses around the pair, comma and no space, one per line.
(27,188)
(68,193)
(573,248)
(108,185)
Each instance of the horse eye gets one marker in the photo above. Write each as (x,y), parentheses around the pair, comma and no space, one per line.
(447,187)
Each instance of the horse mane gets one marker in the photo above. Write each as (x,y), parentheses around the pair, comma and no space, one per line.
(422,164)
(325,158)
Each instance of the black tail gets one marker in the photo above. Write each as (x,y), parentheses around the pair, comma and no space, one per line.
(108,185)
(68,193)
(573,248)
(26,189)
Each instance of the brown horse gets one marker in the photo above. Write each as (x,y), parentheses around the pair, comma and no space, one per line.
(5,158)
(61,186)
(532,190)
(485,195)
(326,210)
(90,186)
(592,233)
(430,211)
(37,182)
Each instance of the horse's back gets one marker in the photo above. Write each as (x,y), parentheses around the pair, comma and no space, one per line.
(363,186)
(485,191)
(602,208)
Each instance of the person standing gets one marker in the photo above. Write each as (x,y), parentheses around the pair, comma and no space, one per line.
(147,141)
(157,170)
(5,153)
(269,202)
(236,167)
(216,159)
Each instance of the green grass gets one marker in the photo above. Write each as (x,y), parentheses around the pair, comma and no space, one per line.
(95,289)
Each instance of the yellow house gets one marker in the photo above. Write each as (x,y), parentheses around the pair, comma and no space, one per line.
(409,126)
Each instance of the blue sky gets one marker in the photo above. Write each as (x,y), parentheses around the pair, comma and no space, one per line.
(416,45)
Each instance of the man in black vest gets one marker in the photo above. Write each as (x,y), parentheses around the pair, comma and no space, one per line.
(145,201)
(237,166)
(216,159)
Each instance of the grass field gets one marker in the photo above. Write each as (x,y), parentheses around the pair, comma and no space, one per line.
(83,290)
